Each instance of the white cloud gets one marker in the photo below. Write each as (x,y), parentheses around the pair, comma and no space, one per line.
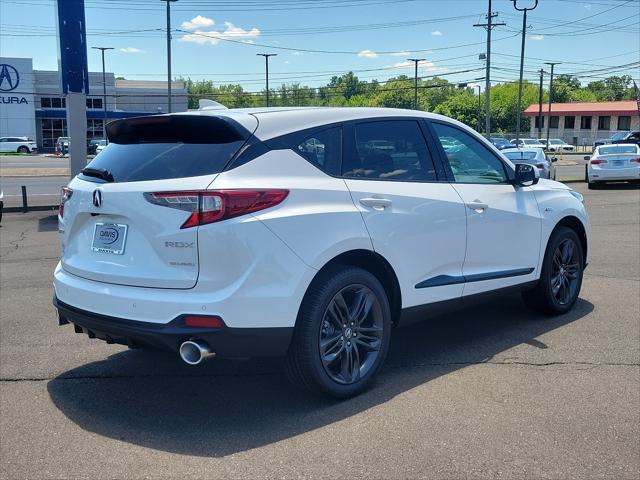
(424,65)
(367,54)
(297,53)
(436,33)
(131,50)
(587,6)
(403,53)
(213,37)
(198,22)
(537,37)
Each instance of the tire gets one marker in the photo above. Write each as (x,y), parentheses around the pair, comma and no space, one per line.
(307,367)
(23,149)
(542,297)
(592,186)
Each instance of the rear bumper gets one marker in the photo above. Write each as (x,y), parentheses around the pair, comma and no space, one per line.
(603,174)
(225,342)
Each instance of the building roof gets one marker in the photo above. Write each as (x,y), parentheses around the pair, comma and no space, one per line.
(624,107)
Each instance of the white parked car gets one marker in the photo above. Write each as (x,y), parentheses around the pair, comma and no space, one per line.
(558,145)
(18,145)
(233,237)
(532,156)
(609,163)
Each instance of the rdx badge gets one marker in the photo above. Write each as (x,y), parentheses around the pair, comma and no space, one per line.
(180,244)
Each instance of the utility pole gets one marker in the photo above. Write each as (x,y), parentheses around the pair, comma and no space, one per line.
(490,25)
(169,52)
(540,104)
(104,91)
(478,128)
(266,64)
(553,64)
(415,81)
(524,36)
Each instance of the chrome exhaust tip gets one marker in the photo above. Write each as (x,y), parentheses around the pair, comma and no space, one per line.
(193,351)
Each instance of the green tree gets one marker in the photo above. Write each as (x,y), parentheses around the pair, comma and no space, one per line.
(463,106)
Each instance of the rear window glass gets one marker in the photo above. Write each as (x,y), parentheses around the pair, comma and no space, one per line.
(164,147)
(520,155)
(618,149)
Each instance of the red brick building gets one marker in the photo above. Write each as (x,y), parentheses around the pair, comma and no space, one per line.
(580,123)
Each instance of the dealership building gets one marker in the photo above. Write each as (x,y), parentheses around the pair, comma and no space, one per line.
(580,123)
(32,105)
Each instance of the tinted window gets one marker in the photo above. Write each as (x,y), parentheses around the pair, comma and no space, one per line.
(323,149)
(624,123)
(617,149)
(470,161)
(155,148)
(521,155)
(389,150)
(569,122)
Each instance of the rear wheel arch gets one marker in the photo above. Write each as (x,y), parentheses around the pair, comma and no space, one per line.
(575,224)
(378,266)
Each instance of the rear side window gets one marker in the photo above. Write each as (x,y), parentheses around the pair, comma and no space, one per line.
(322,149)
(164,147)
(389,150)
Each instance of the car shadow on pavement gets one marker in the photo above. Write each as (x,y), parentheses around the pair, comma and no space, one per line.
(220,407)
(48,224)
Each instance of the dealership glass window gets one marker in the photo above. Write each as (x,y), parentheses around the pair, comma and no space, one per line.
(569,122)
(585,123)
(554,121)
(52,128)
(94,129)
(53,102)
(94,103)
(604,123)
(624,123)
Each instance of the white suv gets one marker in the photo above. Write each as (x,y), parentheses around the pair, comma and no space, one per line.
(305,233)
(18,145)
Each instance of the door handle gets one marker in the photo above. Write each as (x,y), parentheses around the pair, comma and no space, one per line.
(377,203)
(477,206)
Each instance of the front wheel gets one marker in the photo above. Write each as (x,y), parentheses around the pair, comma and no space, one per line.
(23,149)
(561,277)
(342,333)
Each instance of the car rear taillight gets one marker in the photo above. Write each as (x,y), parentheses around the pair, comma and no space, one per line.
(635,160)
(213,206)
(540,166)
(65,195)
(598,162)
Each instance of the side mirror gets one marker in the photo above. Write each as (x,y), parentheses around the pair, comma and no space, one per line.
(587,158)
(526,175)
(554,159)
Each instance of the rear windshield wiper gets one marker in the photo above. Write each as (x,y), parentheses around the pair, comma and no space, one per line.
(102,173)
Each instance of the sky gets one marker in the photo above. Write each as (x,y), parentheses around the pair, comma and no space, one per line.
(315,39)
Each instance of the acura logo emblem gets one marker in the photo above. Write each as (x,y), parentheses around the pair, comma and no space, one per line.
(97,198)
(9,78)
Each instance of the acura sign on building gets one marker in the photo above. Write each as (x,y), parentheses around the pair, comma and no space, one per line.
(17,108)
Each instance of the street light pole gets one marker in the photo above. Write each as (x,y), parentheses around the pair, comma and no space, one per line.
(415,81)
(553,64)
(540,104)
(266,64)
(104,91)
(168,53)
(524,35)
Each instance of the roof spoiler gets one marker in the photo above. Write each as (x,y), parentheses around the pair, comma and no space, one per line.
(206,104)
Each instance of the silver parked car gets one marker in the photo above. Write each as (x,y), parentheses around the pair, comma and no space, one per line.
(533,156)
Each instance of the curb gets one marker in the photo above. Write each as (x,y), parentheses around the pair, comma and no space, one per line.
(35,208)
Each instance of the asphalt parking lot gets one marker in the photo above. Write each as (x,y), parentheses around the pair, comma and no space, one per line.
(492,392)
